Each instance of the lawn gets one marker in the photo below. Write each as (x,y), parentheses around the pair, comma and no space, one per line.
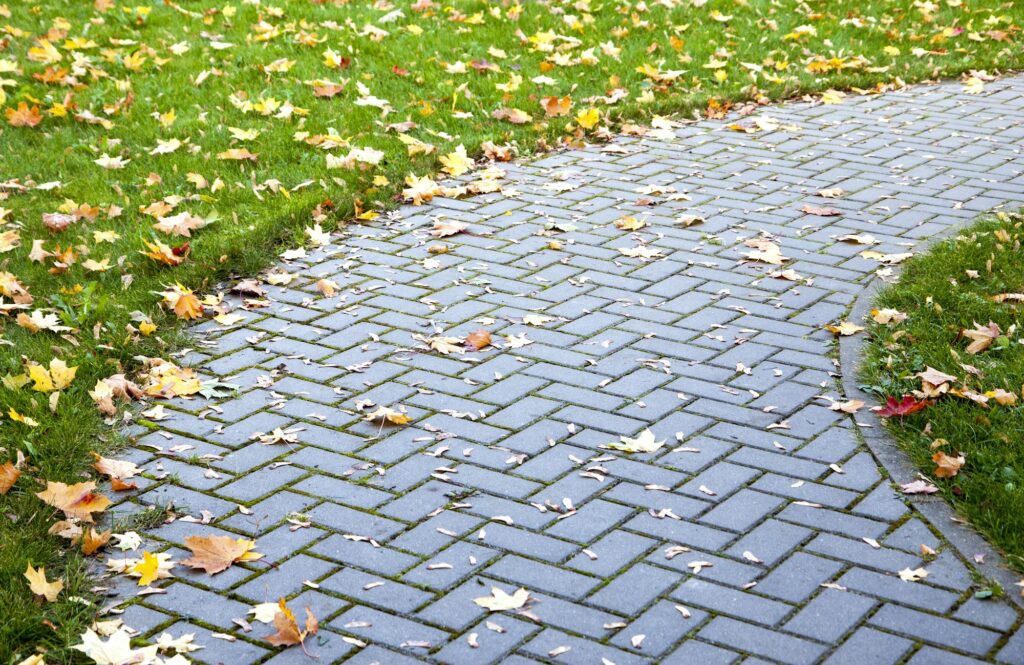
(148,144)
(950,297)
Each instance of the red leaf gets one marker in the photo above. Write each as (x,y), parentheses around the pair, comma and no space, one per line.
(904,407)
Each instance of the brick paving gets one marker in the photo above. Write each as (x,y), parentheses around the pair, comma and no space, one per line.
(501,475)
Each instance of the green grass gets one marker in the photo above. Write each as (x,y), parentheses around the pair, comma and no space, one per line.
(136,71)
(941,300)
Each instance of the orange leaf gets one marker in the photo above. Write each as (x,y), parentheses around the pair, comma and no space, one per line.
(478,340)
(556,106)
(216,553)
(24,116)
(77,500)
(92,541)
(947,466)
(9,475)
(288,632)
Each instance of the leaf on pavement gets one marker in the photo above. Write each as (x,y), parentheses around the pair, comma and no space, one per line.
(216,553)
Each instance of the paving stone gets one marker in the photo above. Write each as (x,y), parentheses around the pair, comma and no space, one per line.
(761,641)
(868,645)
(693,347)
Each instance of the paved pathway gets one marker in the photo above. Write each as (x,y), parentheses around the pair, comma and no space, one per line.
(500,477)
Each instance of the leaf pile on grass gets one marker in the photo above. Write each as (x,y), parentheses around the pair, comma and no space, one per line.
(150,148)
(946,348)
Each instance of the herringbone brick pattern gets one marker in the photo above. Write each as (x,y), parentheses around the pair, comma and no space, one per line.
(500,479)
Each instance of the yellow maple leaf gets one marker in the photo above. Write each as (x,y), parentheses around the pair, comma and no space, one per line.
(148,568)
(37,582)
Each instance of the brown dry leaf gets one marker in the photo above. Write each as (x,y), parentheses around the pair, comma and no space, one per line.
(478,340)
(92,540)
(831,193)
(9,475)
(947,466)
(1008,297)
(216,553)
(288,631)
(37,582)
(78,500)
(981,336)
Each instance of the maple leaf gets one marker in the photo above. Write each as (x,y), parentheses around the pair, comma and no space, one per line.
(24,116)
(76,501)
(512,115)
(556,106)
(820,211)
(844,328)
(216,553)
(630,223)
(981,336)
(288,631)
(478,340)
(851,406)
(918,487)
(162,253)
(765,251)
(117,470)
(887,316)
(947,466)
(445,345)
(117,650)
(456,163)
(39,320)
(640,252)
(444,228)
(916,575)
(183,302)
(37,582)
(500,601)
(388,415)
(644,443)
(9,474)
(93,540)
(238,155)
(588,119)
(831,193)
(148,569)
(182,224)
(906,406)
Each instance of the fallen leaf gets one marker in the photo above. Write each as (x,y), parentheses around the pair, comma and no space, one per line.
(500,601)
(76,501)
(947,466)
(216,553)
(37,583)
(644,443)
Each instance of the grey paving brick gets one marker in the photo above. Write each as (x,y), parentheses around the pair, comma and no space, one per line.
(869,645)
(761,641)
(732,602)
